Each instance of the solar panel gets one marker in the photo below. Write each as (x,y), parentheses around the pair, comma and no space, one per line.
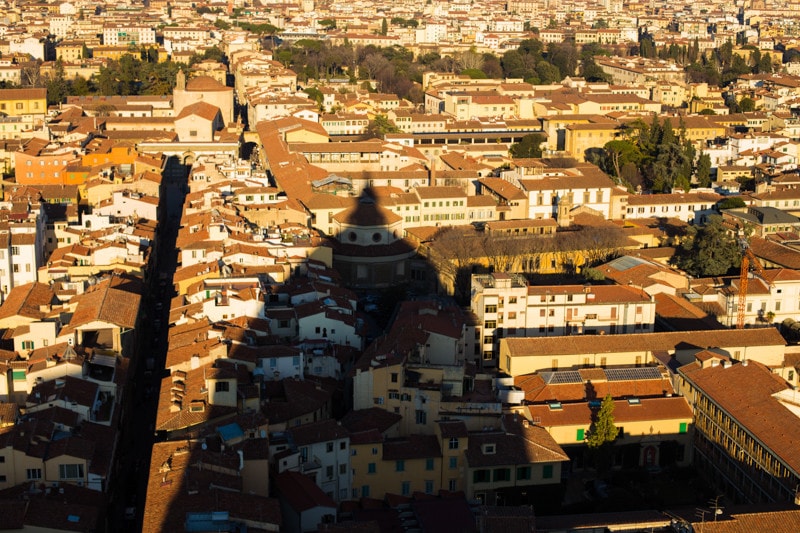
(633,374)
(562,377)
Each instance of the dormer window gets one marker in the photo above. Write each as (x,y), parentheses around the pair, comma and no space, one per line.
(488,449)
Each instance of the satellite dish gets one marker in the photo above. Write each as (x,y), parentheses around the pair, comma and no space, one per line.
(204,446)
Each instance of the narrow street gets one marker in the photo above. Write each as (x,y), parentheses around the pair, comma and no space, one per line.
(129,483)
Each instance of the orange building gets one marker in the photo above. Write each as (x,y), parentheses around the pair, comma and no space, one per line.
(39,163)
(107,152)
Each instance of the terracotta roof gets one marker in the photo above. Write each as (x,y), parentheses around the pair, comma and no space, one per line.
(205,83)
(182,480)
(200,109)
(775,522)
(27,301)
(320,431)
(367,214)
(114,299)
(576,414)
(411,447)
(643,342)
(503,188)
(745,392)
(372,418)
(302,493)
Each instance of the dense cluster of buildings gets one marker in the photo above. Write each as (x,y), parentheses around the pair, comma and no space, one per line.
(300,391)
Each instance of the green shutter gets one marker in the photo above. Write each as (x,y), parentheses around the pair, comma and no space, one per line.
(580,434)
(547,471)
(18,375)
(683,427)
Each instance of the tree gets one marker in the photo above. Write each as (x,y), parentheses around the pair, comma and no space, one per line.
(603,431)
(709,250)
(703,171)
(474,73)
(384,27)
(380,126)
(529,146)
(747,105)
(731,203)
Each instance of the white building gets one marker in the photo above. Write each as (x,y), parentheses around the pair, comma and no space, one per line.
(135,34)
(506,306)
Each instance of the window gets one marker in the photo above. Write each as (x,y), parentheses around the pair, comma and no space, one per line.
(490,309)
(400,465)
(428,486)
(343,445)
(405,488)
(329,472)
(502,474)
(421,417)
(371,469)
(374,451)
(490,324)
(222,386)
(580,435)
(480,476)
(452,484)
(453,463)
(394,377)
(429,463)
(365,491)
(523,472)
(74,471)
(15,250)
(683,427)
(33,474)
(329,447)
(453,444)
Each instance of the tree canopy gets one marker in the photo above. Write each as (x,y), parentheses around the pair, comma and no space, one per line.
(708,250)
(653,155)
(603,431)
(529,146)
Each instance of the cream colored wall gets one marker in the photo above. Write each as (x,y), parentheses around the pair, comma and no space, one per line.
(521,365)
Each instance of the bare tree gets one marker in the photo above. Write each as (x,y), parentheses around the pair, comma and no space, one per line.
(469,60)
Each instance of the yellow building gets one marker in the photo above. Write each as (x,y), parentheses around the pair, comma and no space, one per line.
(581,137)
(497,464)
(113,52)
(520,356)
(644,424)
(70,51)
(401,466)
(20,102)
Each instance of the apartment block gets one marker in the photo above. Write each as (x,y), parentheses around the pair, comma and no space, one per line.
(746,429)
(506,306)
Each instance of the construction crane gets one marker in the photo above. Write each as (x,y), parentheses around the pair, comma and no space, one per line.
(749,260)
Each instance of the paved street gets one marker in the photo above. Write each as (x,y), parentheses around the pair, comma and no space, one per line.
(129,483)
